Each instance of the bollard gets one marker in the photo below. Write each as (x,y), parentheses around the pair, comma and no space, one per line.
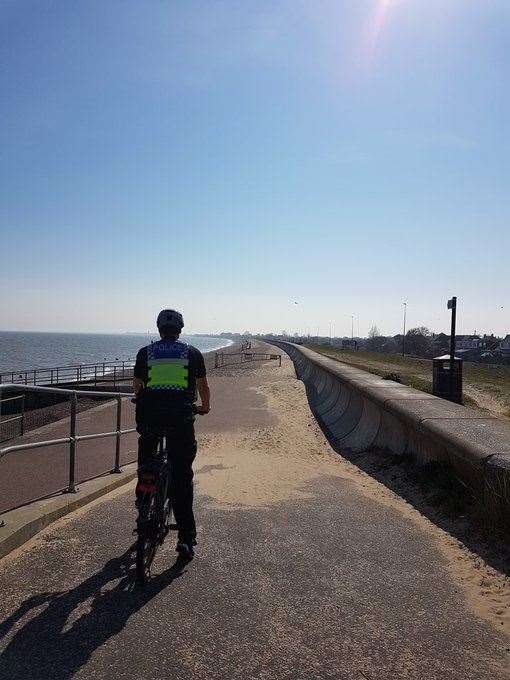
(117,467)
(72,446)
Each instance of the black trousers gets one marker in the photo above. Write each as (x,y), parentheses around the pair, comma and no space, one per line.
(182,449)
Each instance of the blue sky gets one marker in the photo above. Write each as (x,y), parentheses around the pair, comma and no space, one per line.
(230,158)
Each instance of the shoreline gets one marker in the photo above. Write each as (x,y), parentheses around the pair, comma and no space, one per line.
(100,356)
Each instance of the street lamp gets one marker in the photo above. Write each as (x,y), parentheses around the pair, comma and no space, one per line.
(404,334)
(353,316)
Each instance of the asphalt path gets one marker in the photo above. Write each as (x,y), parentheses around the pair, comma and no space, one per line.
(321,582)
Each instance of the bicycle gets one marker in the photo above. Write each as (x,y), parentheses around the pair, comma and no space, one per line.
(154,505)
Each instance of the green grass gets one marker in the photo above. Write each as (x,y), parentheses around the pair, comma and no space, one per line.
(490,387)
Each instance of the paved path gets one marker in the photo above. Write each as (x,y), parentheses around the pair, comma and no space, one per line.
(302,572)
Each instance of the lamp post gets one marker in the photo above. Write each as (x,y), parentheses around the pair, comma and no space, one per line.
(352,325)
(404,333)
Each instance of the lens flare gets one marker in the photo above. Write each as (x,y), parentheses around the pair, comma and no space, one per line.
(376,25)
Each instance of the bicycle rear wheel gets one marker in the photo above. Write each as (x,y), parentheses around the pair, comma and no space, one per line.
(148,539)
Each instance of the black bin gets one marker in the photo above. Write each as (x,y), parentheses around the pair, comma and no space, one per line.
(444,384)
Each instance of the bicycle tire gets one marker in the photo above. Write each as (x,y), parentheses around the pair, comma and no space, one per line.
(147,542)
(155,513)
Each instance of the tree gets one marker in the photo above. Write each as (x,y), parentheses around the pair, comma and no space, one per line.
(419,341)
(420,330)
(375,339)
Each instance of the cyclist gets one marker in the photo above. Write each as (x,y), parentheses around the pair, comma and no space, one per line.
(166,376)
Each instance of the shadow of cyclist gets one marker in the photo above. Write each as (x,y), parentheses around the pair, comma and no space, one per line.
(46,648)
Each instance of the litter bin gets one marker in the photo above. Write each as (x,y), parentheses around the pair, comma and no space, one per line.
(444,384)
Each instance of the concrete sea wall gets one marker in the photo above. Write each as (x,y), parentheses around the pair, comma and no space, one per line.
(361,411)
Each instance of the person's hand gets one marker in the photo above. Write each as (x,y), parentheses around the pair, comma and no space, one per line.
(202,411)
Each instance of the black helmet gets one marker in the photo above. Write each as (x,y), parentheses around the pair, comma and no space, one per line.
(169,318)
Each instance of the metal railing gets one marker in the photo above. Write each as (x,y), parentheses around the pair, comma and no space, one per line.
(20,417)
(104,371)
(235,358)
(73,439)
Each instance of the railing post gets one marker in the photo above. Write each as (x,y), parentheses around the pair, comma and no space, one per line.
(95,375)
(72,446)
(117,467)
(22,415)
(114,375)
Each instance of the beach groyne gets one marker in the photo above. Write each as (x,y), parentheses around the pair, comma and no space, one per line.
(360,411)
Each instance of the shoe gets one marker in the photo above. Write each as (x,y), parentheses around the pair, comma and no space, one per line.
(185,549)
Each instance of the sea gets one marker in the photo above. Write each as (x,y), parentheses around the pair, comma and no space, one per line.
(22,351)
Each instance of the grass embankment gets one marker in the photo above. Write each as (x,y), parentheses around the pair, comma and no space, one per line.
(485,387)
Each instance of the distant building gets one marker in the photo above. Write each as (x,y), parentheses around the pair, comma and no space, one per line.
(462,342)
(469,342)
(504,347)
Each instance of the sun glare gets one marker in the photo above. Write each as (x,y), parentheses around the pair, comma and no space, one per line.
(376,25)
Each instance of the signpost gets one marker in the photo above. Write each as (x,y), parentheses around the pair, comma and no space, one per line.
(447,370)
(452,304)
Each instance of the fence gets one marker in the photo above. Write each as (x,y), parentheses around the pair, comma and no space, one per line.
(105,371)
(235,358)
(73,438)
(18,418)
